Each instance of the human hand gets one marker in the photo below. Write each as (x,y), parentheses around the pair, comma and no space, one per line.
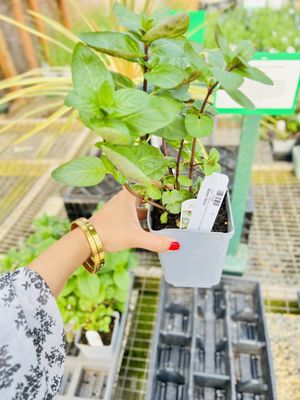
(118,226)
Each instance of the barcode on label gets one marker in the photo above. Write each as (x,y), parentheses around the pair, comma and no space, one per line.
(218,198)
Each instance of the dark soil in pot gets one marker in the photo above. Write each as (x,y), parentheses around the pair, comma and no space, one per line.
(105,336)
(220,225)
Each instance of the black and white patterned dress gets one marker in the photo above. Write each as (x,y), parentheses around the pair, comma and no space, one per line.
(32,347)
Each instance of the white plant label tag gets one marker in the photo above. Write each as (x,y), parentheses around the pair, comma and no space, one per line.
(186,212)
(93,338)
(208,202)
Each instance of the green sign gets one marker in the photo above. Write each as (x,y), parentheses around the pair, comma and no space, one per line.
(196,27)
(277,99)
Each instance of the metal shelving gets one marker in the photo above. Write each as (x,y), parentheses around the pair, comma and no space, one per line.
(274,251)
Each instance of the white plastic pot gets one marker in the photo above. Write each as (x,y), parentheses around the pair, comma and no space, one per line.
(103,354)
(199,261)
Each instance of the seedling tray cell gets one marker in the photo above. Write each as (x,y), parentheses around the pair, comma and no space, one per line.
(92,384)
(211,344)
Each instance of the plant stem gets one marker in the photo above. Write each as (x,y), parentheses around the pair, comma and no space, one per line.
(145,83)
(209,92)
(192,162)
(178,162)
(164,151)
(139,196)
(164,147)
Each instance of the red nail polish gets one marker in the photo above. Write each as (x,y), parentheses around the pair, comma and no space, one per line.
(174,246)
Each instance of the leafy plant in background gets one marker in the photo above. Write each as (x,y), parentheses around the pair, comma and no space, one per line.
(281,127)
(47,230)
(87,301)
(126,115)
(266,28)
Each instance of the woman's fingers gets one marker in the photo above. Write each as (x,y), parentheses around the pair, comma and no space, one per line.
(156,243)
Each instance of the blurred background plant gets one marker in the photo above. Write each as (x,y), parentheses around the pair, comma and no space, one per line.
(281,127)
(266,28)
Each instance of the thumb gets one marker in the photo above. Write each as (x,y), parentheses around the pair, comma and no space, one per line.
(156,243)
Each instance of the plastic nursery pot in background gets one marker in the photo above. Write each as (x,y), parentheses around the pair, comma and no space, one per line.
(199,261)
(103,354)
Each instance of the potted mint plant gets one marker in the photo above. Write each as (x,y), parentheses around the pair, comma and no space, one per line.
(99,303)
(125,115)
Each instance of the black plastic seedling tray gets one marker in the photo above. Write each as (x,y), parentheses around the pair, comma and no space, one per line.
(211,344)
(82,201)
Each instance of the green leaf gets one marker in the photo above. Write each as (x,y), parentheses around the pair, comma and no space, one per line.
(221,41)
(119,177)
(153,192)
(229,80)
(85,304)
(159,112)
(170,179)
(171,27)
(245,50)
(84,171)
(197,61)
(241,99)
(124,158)
(164,217)
(105,95)
(139,163)
(121,295)
(189,78)
(211,164)
(69,287)
(114,131)
(172,201)
(216,59)
(121,81)
(122,279)
(116,44)
(88,285)
(180,93)
(167,49)
(255,74)
(151,160)
(174,131)
(166,76)
(184,180)
(88,71)
(109,166)
(199,127)
(130,101)
(88,107)
(126,17)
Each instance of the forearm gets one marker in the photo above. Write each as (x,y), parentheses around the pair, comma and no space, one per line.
(56,264)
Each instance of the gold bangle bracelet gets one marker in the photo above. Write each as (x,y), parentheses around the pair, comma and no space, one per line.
(96,260)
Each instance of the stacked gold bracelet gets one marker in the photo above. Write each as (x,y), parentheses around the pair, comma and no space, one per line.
(96,260)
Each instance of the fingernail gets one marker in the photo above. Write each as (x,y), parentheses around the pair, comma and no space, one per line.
(174,246)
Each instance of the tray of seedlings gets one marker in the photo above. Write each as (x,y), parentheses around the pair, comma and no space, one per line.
(211,344)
